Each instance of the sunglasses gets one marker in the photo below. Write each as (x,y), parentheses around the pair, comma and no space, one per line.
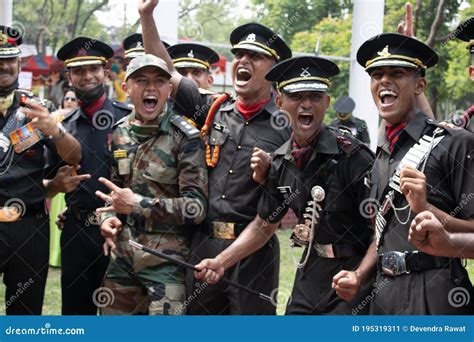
(70,99)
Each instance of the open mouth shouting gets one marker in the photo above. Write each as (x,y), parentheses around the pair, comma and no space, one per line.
(242,76)
(387,98)
(150,103)
(305,121)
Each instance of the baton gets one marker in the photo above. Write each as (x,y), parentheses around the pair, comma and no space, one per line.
(191,267)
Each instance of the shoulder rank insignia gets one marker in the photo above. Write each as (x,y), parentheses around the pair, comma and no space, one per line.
(184,126)
(126,106)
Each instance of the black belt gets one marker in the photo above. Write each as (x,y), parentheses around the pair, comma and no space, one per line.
(87,216)
(396,263)
(340,250)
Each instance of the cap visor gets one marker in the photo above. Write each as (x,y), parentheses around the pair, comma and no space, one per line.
(251,47)
(305,86)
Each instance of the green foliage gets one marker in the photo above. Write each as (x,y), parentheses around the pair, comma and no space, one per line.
(54,22)
(280,14)
(331,43)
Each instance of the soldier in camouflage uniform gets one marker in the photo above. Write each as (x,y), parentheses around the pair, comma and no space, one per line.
(159,162)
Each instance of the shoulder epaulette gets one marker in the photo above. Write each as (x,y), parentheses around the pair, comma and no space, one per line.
(346,141)
(121,121)
(125,106)
(184,126)
(206,92)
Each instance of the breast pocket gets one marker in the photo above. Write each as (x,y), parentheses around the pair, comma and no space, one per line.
(218,138)
(161,173)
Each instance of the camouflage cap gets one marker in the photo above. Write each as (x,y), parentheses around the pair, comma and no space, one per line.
(146,60)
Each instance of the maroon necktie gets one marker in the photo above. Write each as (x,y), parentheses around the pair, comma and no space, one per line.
(301,155)
(392,133)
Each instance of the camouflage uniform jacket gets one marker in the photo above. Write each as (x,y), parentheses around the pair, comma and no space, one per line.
(167,171)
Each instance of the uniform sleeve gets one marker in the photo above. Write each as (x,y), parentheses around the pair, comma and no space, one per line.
(459,166)
(360,165)
(272,206)
(190,103)
(114,177)
(364,133)
(53,161)
(191,205)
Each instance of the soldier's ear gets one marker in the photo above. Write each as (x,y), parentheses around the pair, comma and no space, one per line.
(470,70)
(327,100)
(210,79)
(278,101)
(124,87)
(420,86)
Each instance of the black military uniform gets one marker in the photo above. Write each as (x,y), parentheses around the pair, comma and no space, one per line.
(194,56)
(344,107)
(415,282)
(465,32)
(233,195)
(24,236)
(189,55)
(337,163)
(82,261)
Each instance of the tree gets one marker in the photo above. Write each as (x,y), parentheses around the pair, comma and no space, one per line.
(289,17)
(432,23)
(54,22)
(331,43)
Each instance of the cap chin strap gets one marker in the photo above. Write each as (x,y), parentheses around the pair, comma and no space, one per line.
(344,116)
(5,91)
(88,96)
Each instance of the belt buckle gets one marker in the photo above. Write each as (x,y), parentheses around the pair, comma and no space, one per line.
(325,251)
(223,230)
(394,263)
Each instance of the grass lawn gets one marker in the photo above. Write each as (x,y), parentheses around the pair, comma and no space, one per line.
(289,259)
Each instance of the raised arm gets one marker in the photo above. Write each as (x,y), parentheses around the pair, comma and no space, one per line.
(152,40)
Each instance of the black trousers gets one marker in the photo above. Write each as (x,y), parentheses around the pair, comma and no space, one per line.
(24,262)
(259,271)
(312,293)
(83,266)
